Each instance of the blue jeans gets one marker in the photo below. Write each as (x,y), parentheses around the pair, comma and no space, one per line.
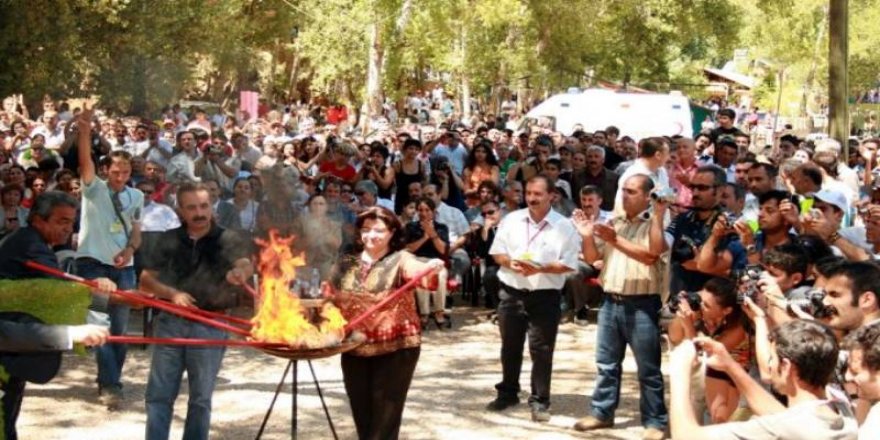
(201,364)
(632,321)
(110,357)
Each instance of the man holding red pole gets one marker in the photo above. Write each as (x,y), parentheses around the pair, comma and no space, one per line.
(196,265)
(50,224)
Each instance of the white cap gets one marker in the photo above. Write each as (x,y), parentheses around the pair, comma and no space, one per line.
(832,198)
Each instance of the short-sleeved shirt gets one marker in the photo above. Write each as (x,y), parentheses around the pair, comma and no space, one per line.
(688,225)
(346,173)
(800,422)
(624,275)
(199,267)
(102,233)
(456,156)
(414,232)
(553,239)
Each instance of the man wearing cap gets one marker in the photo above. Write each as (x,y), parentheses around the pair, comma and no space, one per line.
(845,174)
(368,195)
(825,220)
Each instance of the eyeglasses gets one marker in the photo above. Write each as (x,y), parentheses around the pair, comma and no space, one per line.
(12,219)
(697,187)
(346,190)
(359,193)
(490,212)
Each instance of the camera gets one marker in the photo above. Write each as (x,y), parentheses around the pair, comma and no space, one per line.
(749,283)
(810,302)
(731,218)
(684,249)
(693,299)
(215,149)
(665,195)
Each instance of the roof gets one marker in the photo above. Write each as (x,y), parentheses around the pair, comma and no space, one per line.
(726,75)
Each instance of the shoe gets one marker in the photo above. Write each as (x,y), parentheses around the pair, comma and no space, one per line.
(540,414)
(653,434)
(425,321)
(502,403)
(590,423)
(111,397)
(442,322)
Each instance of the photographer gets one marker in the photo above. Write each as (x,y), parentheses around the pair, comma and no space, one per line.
(375,168)
(703,244)
(802,359)
(714,312)
(217,164)
(777,215)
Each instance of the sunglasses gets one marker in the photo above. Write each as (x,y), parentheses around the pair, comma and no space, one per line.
(697,187)
(489,212)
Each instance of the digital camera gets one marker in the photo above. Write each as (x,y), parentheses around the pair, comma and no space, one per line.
(665,195)
(810,302)
(749,283)
(693,299)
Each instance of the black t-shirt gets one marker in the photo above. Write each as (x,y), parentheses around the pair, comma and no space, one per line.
(415,232)
(199,267)
(612,159)
(20,246)
(721,131)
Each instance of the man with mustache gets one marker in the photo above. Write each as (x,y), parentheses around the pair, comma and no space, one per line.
(535,247)
(199,265)
(597,175)
(703,243)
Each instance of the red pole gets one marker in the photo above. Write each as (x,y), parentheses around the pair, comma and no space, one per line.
(391,297)
(186,341)
(161,305)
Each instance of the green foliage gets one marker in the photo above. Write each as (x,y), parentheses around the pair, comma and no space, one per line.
(51,301)
(139,54)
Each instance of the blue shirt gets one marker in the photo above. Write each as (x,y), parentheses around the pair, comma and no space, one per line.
(688,225)
(102,234)
(456,155)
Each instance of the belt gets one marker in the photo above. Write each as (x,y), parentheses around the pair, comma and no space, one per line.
(511,289)
(618,298)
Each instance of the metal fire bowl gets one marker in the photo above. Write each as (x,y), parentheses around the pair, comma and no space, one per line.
(303,354)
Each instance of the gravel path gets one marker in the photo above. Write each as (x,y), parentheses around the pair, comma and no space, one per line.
(454,381)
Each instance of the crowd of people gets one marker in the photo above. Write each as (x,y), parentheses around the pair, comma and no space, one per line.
(755,263)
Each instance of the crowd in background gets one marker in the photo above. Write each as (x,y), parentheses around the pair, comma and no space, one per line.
(802,215)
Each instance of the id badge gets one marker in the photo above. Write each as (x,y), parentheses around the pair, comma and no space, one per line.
(526,256)
(116,227)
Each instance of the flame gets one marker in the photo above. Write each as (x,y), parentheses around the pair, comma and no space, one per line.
(281,317)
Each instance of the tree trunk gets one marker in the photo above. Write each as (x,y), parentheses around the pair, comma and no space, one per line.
(139,92)
(373,101)
(814,64)
(838,51)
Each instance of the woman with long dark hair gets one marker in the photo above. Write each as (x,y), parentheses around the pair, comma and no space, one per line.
(378,374)
(481,165)
(721,318)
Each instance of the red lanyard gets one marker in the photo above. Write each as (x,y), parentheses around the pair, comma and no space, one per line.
(529,235)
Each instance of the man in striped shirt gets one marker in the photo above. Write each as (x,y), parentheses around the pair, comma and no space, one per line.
(633,250)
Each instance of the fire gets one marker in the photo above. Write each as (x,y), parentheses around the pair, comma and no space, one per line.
(282,317)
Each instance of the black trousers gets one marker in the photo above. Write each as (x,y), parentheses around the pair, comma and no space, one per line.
(534,314)
(377,388)
(13,393)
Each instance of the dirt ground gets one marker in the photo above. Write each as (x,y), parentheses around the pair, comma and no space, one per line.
(454,380)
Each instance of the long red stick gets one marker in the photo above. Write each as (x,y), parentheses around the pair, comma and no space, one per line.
(187,341)
(406,287)
(161,305)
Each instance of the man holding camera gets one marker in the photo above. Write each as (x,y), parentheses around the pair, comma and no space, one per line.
(631,249)
(217,164)
(801,361)
(702,243)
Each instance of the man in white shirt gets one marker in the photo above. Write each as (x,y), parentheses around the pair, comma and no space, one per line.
(864,370)
(157,217)
(51,130)
(536,247)
(653,154)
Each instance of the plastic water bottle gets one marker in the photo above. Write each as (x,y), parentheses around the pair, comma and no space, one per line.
(315,284)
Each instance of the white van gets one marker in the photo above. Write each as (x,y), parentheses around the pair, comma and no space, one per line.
(637,115)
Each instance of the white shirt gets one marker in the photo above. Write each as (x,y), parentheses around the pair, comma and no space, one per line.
(870,429)
(454,219)
(159,217)
(660,178)
(520,238)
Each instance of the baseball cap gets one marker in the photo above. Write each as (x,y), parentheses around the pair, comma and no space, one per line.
(832,198)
